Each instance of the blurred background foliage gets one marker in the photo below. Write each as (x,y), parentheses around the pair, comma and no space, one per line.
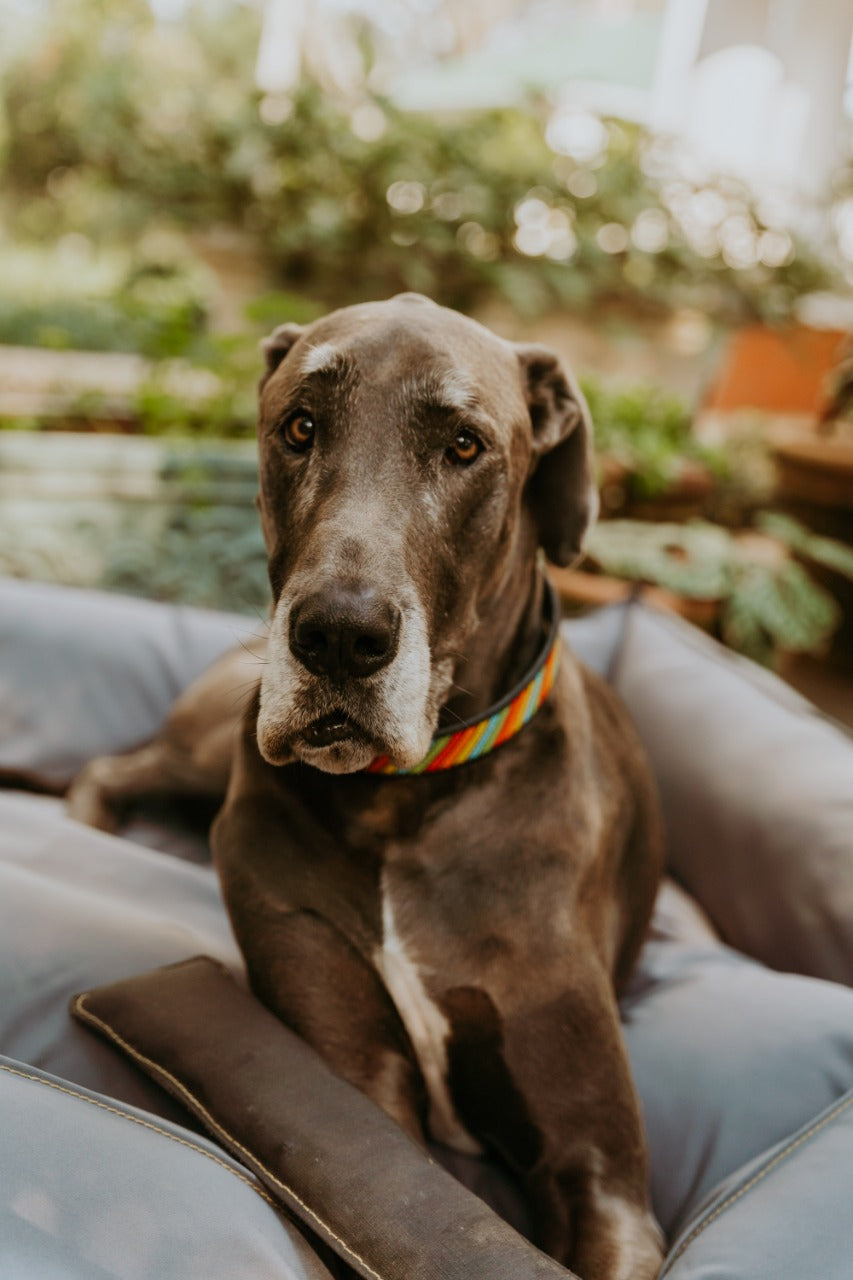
(124,141)
(141,167)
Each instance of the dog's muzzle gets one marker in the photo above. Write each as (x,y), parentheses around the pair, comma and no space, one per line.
(348,679)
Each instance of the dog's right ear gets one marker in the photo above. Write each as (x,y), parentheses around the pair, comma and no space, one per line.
(561,491)
(276,346)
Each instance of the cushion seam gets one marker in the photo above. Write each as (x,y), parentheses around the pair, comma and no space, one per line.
(60,1087)
(762,1173)
(86,1015)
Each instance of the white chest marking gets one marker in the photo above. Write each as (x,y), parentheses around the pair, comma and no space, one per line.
(428,1031)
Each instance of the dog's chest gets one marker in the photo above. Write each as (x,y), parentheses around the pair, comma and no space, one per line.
(428,1028)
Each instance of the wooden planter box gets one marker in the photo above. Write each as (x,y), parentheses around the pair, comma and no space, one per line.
(685,497)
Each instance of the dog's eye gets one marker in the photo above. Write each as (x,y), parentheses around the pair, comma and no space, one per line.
(298,432)
(466,448)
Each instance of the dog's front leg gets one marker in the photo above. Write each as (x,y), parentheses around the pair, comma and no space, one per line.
(548,1085)
(320,985)
(307,970)
(591,1184)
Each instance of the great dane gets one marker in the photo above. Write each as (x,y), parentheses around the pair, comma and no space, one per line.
(440,843)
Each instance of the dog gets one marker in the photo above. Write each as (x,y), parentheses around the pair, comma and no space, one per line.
(444,909)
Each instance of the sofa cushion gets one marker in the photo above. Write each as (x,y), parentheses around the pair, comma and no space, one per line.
(729,1058)
(84,673)
(784,1216)
(92,1188)
(757,789)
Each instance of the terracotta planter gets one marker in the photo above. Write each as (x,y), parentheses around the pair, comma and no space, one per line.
(781,371)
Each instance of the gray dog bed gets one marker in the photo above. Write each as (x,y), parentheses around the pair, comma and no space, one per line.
(739,1020)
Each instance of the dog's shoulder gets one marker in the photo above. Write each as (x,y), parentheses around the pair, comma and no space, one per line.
(612,724)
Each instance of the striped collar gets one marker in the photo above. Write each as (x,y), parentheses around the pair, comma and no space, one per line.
(475,738)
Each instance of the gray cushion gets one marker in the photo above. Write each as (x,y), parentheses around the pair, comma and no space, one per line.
(786,1214)
(83,673)
(76,909)
(728,1056)
(757,790)
(94,1189)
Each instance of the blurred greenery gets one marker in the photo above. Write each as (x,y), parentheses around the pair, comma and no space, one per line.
(767,603)
(117,130)
(205,554)
(132,151)
(827,552)
(124,322)
(229,411)
(645,435)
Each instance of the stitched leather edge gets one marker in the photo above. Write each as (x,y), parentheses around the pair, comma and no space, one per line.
(177,1088)
(759,1176)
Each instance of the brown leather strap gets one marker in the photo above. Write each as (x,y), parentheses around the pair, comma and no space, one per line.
(323,1150)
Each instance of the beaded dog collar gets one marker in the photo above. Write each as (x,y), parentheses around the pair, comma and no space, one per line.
(475,738)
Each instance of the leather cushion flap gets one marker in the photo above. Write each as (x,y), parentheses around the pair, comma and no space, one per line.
(322,1148)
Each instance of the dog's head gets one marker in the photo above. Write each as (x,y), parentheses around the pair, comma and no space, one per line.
(408,459)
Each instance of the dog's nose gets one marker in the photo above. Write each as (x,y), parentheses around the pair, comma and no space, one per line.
(344,632)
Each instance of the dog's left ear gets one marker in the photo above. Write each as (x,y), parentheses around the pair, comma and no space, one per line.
(561,490)
(276,346)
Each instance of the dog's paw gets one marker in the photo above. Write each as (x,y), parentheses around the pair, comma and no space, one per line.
(87,799)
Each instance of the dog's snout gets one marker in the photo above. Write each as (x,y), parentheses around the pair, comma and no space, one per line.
(344,632)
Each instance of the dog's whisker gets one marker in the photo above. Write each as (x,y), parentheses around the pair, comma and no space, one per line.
(244,645)
(253,635)
(260,659)
(455,715)
(242,693)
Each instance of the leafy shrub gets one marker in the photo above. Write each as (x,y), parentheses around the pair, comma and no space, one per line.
(648,432)
(116,124)
(123,322)
(768,603)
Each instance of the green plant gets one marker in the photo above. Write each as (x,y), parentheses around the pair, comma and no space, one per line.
(768,601)
(118,126)
(208,555)
(213,394)
(155,311)
(827,552)
(646,434)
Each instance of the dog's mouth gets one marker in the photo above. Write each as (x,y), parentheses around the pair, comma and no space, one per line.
(334,742)
(332,728)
